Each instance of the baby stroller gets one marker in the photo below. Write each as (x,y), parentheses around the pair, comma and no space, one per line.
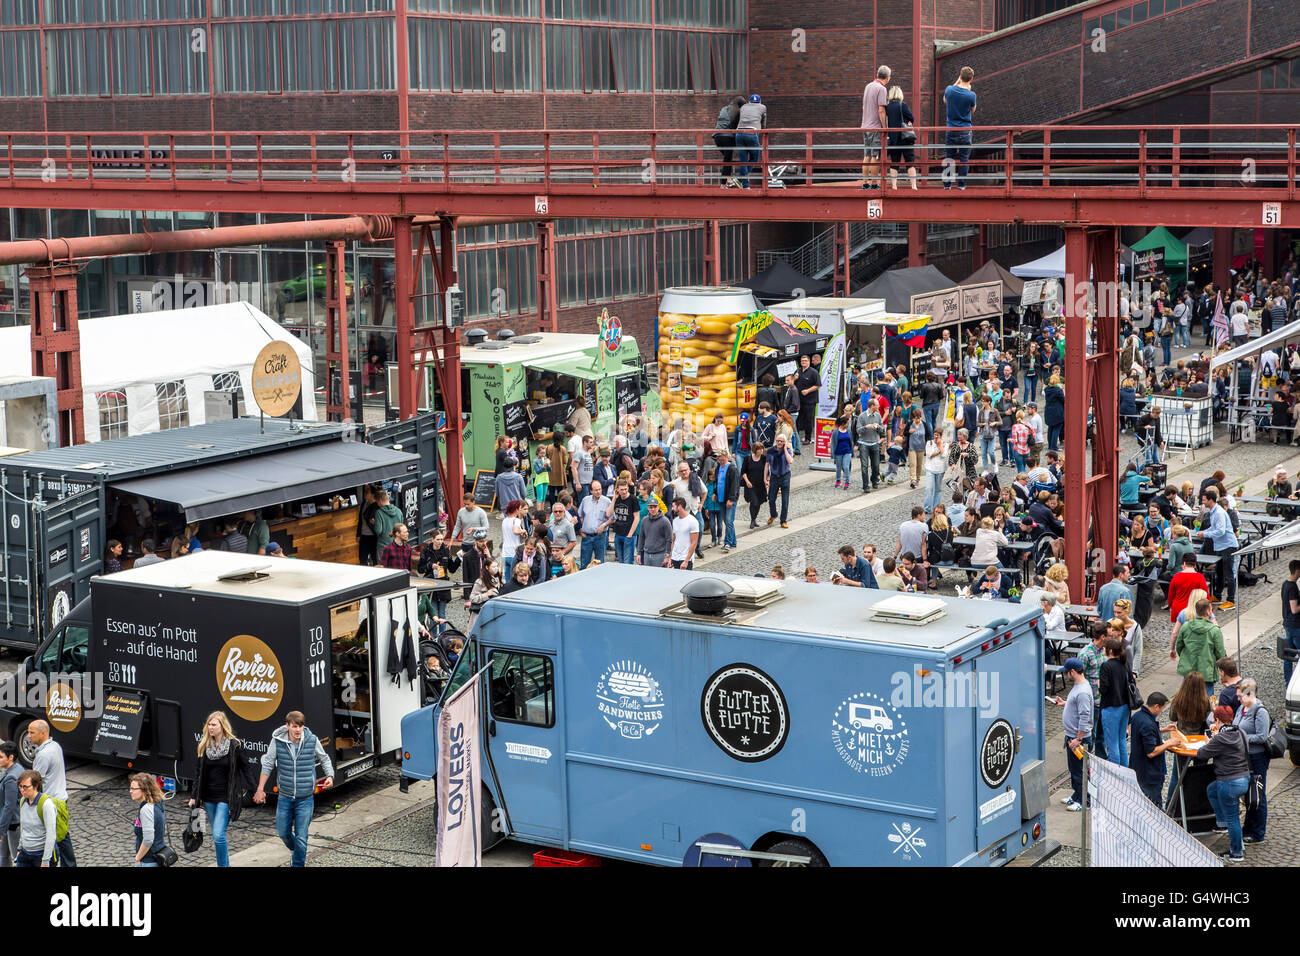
(435,665)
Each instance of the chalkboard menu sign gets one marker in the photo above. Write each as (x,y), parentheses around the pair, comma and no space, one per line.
(546,417)
(485,489)
(118,734)
(627,394)
(516,420)
(589,395)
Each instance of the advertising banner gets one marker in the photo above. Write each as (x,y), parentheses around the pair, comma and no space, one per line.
(822,437)
(460,837)
(832,375)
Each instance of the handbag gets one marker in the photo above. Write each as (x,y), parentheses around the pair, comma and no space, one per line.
(907,136)
(192,835)
(1275,742)
(1134,695)
(1254,793)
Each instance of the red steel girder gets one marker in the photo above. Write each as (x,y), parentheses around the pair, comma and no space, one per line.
(56,342)
(1091,266)
(548,317)
(712,253)
(338,402)
(1110,206)
(843,259)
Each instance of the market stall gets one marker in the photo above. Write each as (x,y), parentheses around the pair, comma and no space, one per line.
(1160,252)
(874,335)
(780,281)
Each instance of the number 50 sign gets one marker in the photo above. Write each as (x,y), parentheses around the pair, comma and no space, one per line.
(875,209)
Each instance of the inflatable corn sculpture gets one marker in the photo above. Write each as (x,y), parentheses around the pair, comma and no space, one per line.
(697,378)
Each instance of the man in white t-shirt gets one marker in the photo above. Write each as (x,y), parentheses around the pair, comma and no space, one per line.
(1035,422)
(1240,319)
(1268,363)
(686,534)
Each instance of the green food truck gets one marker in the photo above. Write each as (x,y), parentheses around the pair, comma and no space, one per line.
(526,385)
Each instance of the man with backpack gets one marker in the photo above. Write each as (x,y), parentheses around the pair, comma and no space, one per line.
(48,762)
(39,815)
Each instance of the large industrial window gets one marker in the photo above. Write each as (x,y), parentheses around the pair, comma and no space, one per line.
(112,414)
(20,63)
(173,405)
(289,8)
(598,59)
(20,13)
(120,11)
(124,61)
(523,689)
(475,55)
(601,11)
(701,13)
(699,62)
(487,8)
(320,55)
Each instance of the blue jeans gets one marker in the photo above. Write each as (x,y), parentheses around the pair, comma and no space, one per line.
(1076,769)
(1225,796)
(218,819)
(592,545)
(1031,388)
(27,858)
(748,154)
(729,520)
(794,442)
(63,849)
(1004,442)
(625,549)
(292,817)
(843,467)
(1054,433)
(988,453)
(1019,459)
(508,562)
(959,141)
(931,414)
(713,519)
(870,455)
(1166,346)
(1293,642)
(1114,725)
(933,489)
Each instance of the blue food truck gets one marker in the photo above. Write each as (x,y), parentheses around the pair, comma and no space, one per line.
(679,717)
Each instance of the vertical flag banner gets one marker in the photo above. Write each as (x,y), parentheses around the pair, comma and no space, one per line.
(832,372)
(1220,322)
(460,837)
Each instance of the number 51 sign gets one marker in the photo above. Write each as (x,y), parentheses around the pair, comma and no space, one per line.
(1272,214)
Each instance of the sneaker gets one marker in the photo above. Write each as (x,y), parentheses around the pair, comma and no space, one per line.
(1067,800)
(1074,807)
(1227,606)
(1252,839)
(913,484)
(726,550)
(1227,856)
(1219,829)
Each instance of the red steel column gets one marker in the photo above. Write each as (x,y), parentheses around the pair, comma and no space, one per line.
(56,342)
(1076,410)
(403,307)
(336,330)
(843,260)
(454,470)
(917,242)
(980,250)
(712,253)
(1223,261)
(548,315)
(1103,484)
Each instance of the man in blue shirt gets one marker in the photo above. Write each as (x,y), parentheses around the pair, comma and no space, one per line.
(856,572)
(1219,539)
(959,99)
(776,475)
(1147,751)
(1116,589)
(594,515)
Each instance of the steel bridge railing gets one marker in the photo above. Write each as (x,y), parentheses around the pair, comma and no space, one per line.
(1015,160)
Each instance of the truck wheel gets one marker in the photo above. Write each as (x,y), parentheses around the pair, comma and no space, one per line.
(796,847)
(492,831)
(26,752)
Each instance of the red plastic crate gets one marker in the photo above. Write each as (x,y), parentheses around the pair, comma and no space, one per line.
(564,858)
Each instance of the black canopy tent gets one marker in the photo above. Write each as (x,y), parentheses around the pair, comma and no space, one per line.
(991,271)
(781,282)
(773,347)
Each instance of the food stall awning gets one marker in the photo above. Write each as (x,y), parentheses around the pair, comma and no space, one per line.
(586,367)
(244,484)
(1288,332)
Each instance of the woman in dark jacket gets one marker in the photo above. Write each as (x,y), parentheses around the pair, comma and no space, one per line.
(535,553)
(724,136)
(1128,409)
(751,474)
(1054,411)
(899,116)
(224,778)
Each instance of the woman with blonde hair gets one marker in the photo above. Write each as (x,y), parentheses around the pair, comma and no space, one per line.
(785,426)
(1132,633)
(224,778)
(151,821)
(899,117)
(1055,585)
(1187,614)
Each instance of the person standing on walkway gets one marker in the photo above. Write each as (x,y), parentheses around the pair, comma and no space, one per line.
(224,779)
(624,515)
(1291,617)
(1114,701)
(1253,720)
(901,136)
(959,103)
(594,521)
(294,755)
(725,138)
(1077,721)
(49,763)
(1219,539)
(1054,411)
(686,535)
(809,383)
(875,119)
(869,426)
(727,490)
(752,120)
(150,820)
(1199,646)
(788,414)
(1147,753)
(10,802)
(776,476)
(842,453)
(936,463)
(38,821)
(752,475)
(654,537)
(1228,749)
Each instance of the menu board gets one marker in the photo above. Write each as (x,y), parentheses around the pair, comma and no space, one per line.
(118,734)
(627,393)
(516,420)
(546,417)
(485,489)
(589,396)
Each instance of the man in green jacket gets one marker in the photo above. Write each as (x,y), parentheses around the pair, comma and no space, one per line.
(1200,645)
(388,515)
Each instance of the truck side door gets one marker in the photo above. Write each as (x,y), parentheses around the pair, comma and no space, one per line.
(524,740)
(63,665)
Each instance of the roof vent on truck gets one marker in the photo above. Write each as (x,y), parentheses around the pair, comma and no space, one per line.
(254,572)
(908,609)
(734,602)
